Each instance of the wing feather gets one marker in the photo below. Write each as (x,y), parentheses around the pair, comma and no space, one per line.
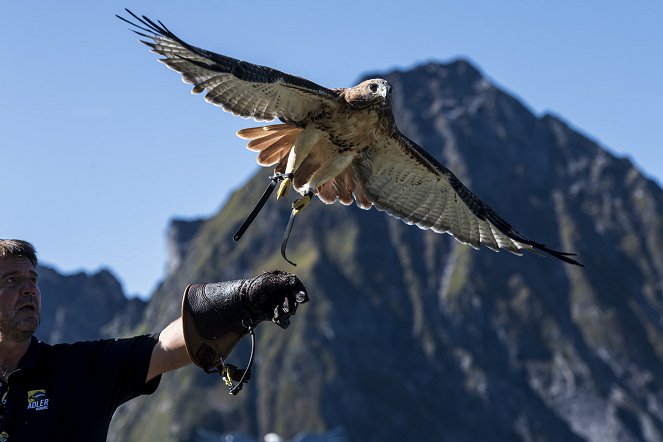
(400,178)
(419,211)
(239,87)
(487,236)
(423,212)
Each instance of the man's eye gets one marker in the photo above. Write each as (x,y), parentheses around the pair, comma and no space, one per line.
(10,280)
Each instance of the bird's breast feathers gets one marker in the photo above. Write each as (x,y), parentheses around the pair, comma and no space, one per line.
(351,129)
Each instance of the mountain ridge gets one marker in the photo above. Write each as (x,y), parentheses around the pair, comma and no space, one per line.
(81,306)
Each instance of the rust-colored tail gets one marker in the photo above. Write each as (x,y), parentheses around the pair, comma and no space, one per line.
(273,142)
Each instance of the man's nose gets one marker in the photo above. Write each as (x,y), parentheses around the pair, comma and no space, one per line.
(29,288)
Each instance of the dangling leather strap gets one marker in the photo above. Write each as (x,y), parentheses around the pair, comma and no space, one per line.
(230,372)
(259,205)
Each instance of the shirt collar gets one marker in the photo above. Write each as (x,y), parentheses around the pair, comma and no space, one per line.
(31,357)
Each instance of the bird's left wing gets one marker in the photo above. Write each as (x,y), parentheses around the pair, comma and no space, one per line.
(239,87)
(399,177)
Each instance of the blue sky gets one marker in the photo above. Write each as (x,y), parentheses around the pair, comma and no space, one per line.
(101,146)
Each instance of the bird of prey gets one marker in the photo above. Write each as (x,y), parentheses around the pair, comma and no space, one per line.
(340,144)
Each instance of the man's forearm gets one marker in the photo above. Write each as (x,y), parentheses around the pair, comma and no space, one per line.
(170,352)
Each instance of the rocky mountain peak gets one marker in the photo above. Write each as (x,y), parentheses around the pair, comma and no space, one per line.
(178,239)
(77,307)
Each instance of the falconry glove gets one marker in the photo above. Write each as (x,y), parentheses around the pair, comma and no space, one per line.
(215,316)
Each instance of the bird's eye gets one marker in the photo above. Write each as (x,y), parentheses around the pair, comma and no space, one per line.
(373,87)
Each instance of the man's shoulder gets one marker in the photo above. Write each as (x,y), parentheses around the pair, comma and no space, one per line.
(80,348)
(99,342)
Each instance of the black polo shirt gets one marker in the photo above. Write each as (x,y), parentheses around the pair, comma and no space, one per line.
(69,392)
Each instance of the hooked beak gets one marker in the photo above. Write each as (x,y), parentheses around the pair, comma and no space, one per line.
(385,90)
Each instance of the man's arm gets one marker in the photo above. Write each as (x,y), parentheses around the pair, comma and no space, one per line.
(170,352)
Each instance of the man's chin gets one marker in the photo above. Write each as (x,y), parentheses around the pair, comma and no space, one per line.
(20,329)
(19,335)
(27,327)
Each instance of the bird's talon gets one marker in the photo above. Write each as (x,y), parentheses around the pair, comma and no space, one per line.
(301,203)
(284,188)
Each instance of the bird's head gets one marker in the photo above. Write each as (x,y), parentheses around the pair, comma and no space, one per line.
(374,92)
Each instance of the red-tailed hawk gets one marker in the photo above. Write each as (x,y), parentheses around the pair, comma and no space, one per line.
(339,144)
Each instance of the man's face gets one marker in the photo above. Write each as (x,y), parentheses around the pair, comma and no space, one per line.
(20,299)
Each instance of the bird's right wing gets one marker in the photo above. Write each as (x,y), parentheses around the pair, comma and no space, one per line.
(239,87)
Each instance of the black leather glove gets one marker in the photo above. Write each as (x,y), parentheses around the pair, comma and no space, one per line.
(215,316)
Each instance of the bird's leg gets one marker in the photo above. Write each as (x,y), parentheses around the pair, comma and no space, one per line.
(301,203)
(284,187)
(329,170)
(300,150)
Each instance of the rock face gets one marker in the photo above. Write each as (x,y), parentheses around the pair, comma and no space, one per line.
(82,306)
(178,240)
(412,336)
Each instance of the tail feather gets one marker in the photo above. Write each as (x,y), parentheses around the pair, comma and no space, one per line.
(326,193)
(343,186)
(280,167)
(277,150)
(251,133)
(341,189)
(260,144)
(273,142)
(305,172)
(359,193)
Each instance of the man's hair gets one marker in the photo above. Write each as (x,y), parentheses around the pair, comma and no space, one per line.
(16,248)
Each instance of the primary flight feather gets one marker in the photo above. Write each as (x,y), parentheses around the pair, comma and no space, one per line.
(339,144)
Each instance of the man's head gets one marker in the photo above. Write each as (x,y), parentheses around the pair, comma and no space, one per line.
(15,248)
(20,299)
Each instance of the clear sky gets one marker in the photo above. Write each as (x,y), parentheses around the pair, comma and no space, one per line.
(100,145)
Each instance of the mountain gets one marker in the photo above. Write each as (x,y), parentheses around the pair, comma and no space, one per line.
(178,240)
(410,335)
(82,306)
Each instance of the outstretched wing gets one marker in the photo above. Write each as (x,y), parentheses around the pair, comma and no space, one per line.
(239,87)
(402,179)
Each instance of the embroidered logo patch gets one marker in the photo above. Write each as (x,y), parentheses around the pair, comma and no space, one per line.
(37,400)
